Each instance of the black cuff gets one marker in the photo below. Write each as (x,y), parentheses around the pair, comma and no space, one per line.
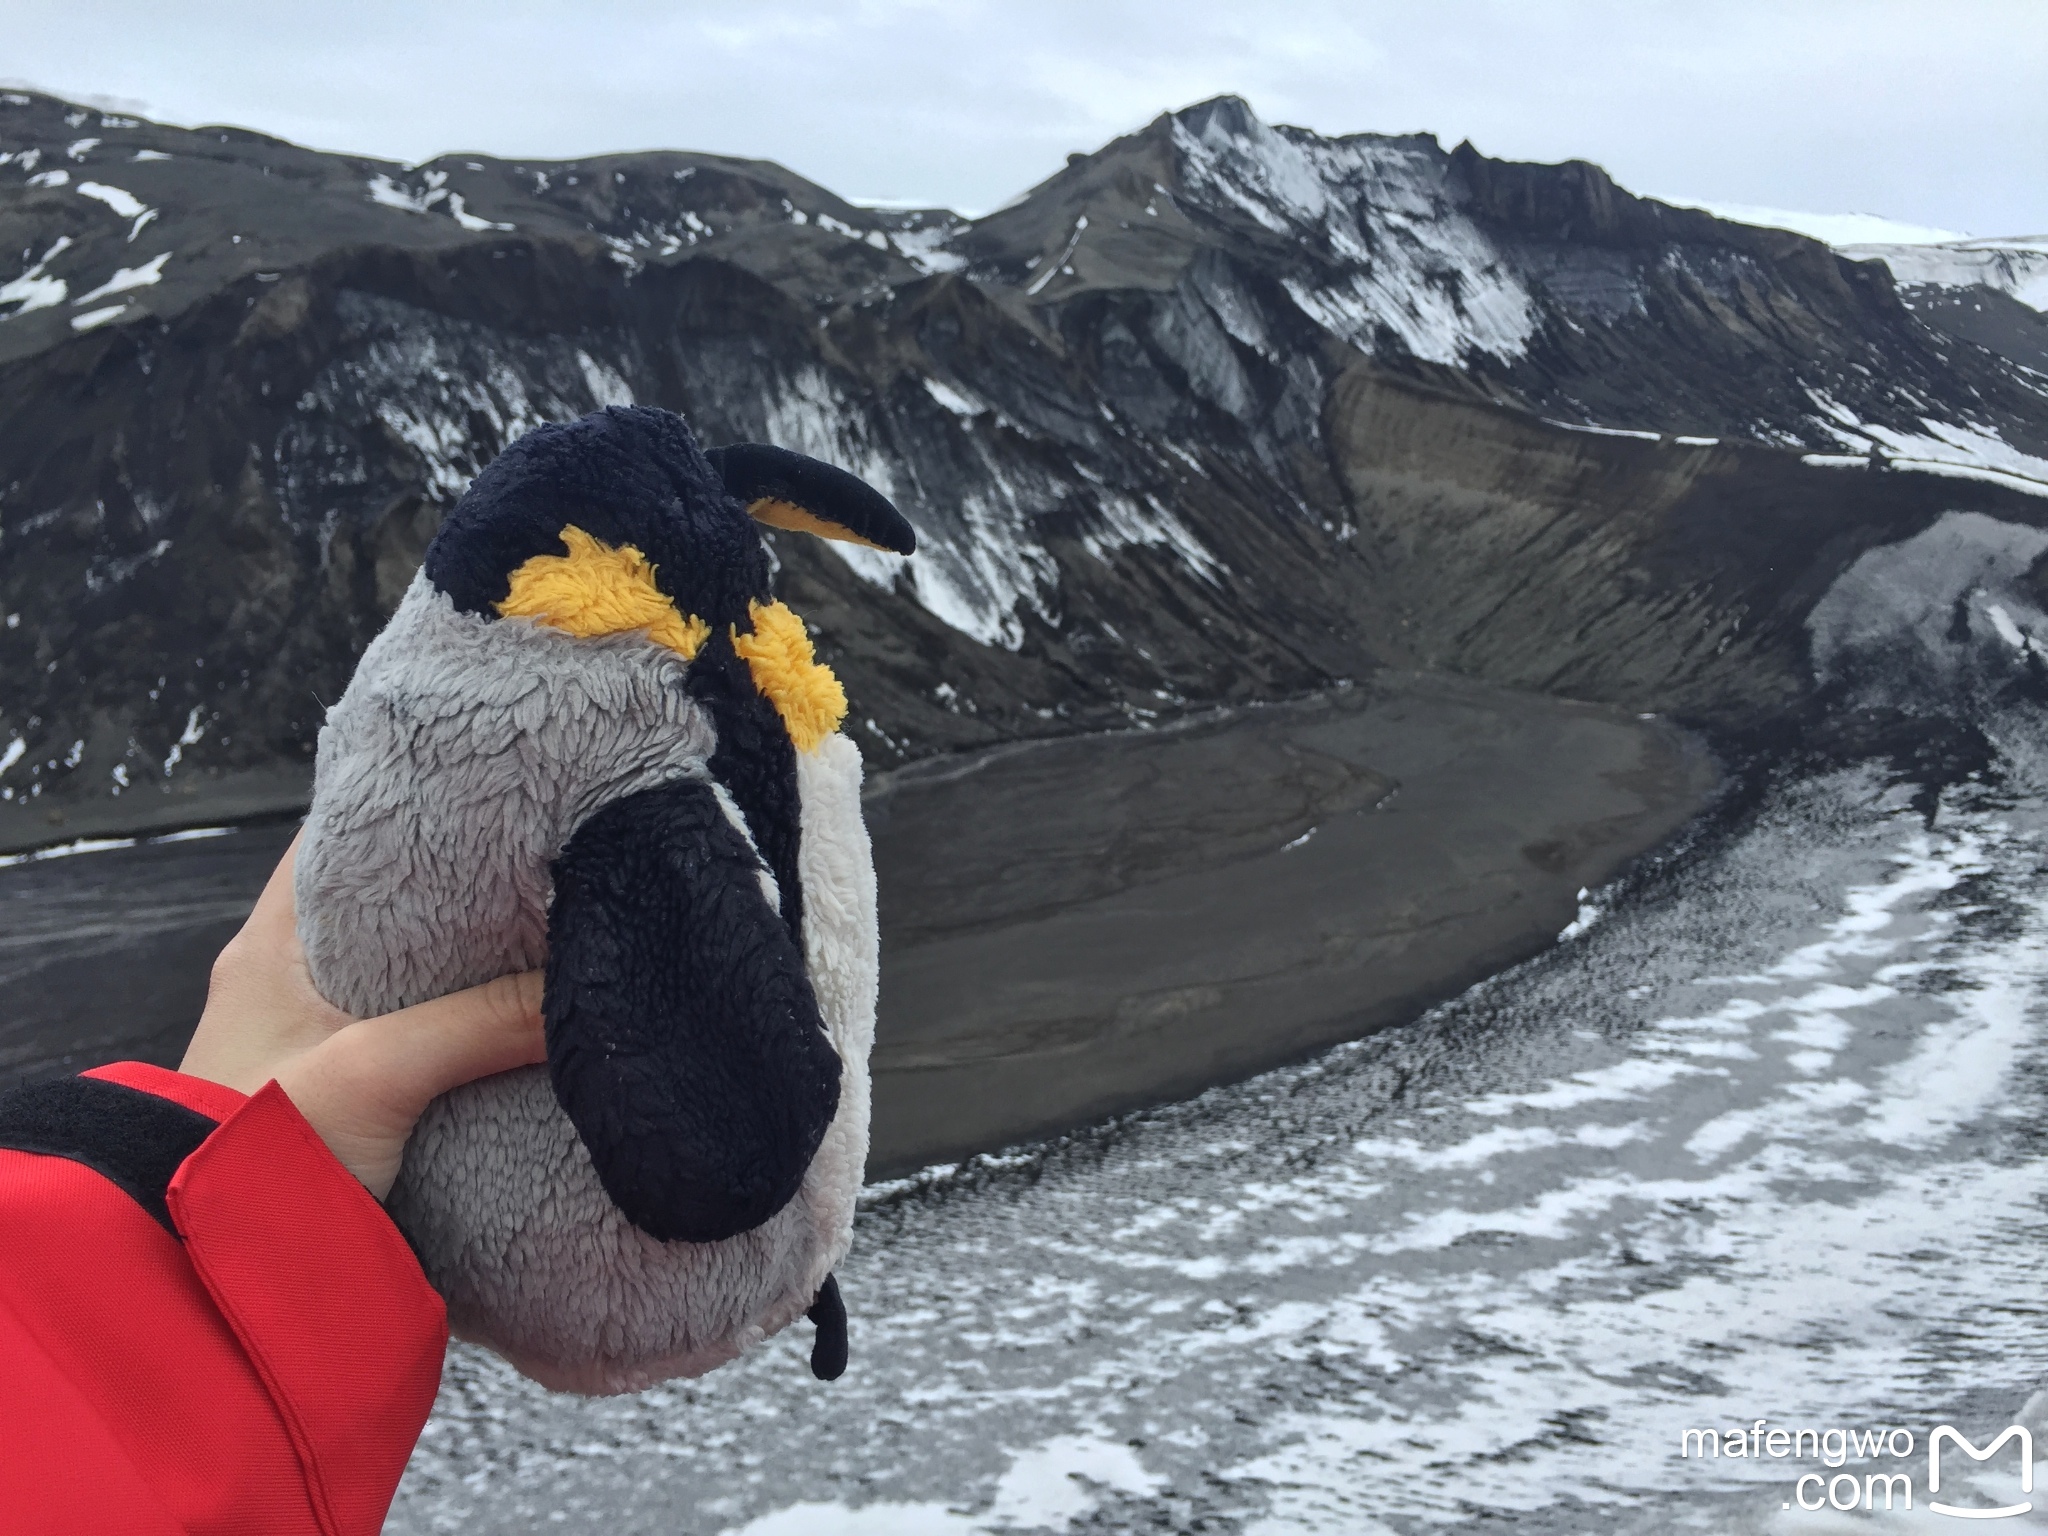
(132,1138)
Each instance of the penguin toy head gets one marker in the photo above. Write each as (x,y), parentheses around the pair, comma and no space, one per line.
(591,739)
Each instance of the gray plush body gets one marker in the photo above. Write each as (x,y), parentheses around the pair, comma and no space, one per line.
(460,760)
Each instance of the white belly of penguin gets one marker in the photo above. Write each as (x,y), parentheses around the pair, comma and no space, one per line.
(448,781)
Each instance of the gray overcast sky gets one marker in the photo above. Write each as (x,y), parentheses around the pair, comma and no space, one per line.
(1929,111)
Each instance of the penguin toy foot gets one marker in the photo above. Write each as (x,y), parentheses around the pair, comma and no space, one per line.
(828,1349)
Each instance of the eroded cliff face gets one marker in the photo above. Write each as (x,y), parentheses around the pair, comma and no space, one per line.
(1221,412)
(1668,574)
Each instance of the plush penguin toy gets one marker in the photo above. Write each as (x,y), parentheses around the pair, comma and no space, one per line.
(590,738)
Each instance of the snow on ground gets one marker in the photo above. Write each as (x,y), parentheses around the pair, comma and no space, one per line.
(1828,228)
(435,421)
(2017,267)
(1127,522)
(958,401)
(1762,1143)
(126,204)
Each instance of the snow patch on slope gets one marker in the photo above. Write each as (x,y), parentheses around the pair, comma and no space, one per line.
(977,561)
(391,194)
(148,273)
(35,288)
(607,385)
(387,192)
(126,204)
(93,319)
(2016,267)
(437,426)
(1127,522)
(980,564)
(925,249)
(431,386)
(468,220)
(1964,451)
(1402,253)
(958,401)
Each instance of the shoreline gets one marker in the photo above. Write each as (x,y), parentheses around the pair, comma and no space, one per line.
(1072,927)
(245,799)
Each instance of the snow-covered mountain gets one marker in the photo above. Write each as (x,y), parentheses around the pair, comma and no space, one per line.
(1221,411)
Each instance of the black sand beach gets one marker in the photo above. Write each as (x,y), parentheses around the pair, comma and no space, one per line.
(1087,926)
(1070,928)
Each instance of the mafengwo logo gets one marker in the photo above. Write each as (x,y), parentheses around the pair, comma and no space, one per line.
(1890,1486)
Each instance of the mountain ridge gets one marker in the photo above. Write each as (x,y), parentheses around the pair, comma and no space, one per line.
(1221,412)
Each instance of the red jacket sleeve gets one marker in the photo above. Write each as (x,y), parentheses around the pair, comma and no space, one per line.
(230,1342)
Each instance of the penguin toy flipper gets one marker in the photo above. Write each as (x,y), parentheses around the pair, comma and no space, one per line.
(684,1041)
(785,489)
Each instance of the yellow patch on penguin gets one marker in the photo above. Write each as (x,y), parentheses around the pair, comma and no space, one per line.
(802,688)
(598,590)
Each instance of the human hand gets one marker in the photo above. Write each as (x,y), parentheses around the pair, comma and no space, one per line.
(360,1083)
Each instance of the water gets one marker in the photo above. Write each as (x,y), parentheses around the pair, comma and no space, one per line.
(105,946)
(1761,1140)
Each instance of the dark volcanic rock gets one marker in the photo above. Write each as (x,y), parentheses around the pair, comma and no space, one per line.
(1223,412)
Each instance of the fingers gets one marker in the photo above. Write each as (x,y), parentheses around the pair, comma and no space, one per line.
(363,1088)
(432,1047)
(361,1084)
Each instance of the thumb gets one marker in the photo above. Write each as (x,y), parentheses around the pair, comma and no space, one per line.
(364,1087)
